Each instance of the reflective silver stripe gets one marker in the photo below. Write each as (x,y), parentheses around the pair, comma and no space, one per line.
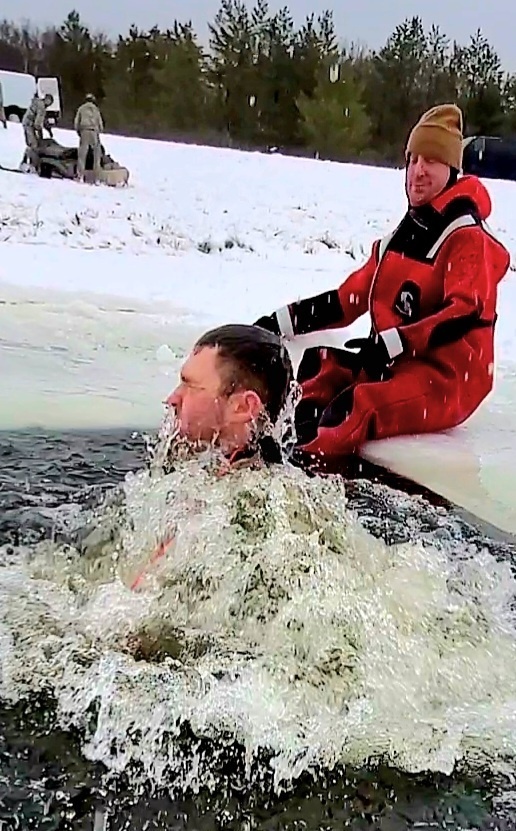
(460,222)
(384,242)
(285,322)
(382,248)
(489,231)
(392,341)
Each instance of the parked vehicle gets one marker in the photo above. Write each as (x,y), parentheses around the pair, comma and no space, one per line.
(490,157)
(51,85)
(19,89)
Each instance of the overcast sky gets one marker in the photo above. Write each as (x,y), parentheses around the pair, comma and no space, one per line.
(367,21)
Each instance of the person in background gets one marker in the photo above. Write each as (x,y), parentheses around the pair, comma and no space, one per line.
(34,120)
(2,110)
(430,288)
(88,125)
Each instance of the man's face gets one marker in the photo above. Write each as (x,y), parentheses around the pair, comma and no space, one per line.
(205,410)
(425,179)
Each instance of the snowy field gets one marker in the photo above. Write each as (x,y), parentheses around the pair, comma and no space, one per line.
(102,291)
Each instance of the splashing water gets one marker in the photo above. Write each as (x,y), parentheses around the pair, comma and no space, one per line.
(274,622)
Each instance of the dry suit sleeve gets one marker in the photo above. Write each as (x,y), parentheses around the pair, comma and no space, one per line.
(331,309)
(354,292)
(468,282)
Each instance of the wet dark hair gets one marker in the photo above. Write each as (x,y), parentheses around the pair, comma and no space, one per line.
(254,359)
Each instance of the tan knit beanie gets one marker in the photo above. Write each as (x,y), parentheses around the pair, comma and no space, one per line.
(438,135)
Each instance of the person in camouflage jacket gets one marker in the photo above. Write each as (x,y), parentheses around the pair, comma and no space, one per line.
(2,110)
(89,125)
(34,120)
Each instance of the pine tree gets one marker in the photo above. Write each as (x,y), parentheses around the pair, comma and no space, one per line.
(335,121)
(398,85)
(480,85)
(78,60)
(234,69)
(131,87)
(180,67)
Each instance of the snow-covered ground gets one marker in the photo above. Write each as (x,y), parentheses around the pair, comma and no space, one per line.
(103,290)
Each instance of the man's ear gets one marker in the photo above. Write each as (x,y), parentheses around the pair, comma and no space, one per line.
(247,405)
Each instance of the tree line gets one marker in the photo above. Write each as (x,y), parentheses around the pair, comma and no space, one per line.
(263,82)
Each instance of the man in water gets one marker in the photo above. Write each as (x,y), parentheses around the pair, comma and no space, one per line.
(232,390)
(430,288)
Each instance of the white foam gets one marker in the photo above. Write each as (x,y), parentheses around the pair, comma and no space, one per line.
(290,629)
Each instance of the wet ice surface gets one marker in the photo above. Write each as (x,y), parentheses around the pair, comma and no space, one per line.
(44,778)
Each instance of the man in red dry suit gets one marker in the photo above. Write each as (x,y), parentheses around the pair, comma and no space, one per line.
(430,287)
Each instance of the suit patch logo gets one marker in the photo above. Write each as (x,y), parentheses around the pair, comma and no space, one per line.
(408,302)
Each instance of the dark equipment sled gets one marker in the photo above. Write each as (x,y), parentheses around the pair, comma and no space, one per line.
(51,159)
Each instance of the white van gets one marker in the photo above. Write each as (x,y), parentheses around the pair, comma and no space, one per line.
(51,86)
(19,89)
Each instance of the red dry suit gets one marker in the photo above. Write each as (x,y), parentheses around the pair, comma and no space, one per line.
(431,289)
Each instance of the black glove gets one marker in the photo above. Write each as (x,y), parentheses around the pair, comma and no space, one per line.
(374,356)
(270,323)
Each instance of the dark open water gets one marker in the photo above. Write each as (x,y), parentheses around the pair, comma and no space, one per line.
(46,784)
